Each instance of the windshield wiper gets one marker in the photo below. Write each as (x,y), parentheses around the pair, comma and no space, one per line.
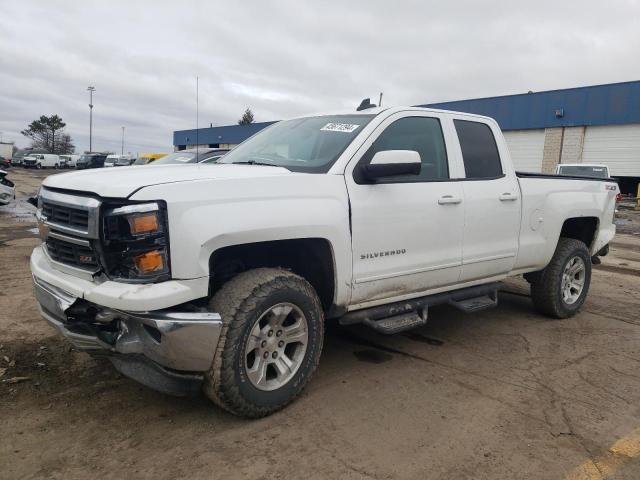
(254,162)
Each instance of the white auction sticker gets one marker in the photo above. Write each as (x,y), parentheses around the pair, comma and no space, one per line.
(339,127)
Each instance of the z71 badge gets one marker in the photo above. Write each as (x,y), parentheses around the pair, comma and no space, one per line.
(386,253)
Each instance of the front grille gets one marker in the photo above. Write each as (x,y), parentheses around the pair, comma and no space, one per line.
(75,218)
(79,256)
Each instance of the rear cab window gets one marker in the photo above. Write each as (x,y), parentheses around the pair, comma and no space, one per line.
(479,150)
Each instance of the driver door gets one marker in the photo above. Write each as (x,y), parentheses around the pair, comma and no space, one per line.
(406,231)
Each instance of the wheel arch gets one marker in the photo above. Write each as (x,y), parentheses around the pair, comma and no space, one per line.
(311,258)
(580,228)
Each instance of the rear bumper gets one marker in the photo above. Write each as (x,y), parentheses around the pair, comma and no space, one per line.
(604,236)
(163,349)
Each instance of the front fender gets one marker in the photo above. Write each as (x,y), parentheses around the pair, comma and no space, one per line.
(207,215)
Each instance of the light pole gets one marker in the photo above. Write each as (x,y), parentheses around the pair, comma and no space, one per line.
(122,145)
(91,90)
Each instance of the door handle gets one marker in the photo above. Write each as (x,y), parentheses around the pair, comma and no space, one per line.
(507,197)
(449,199)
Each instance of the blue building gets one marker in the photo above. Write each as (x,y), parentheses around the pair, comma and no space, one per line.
(216,137)
(594,124)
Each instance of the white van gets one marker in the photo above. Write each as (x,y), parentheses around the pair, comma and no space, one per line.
(41,160)
(69,161)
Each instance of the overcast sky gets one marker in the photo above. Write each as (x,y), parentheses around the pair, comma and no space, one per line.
(288,57)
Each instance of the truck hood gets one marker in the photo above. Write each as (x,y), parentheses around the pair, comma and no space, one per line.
(121,182)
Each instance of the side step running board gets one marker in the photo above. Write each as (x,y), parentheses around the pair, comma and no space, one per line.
(400,316)
(475,304)
(396,324)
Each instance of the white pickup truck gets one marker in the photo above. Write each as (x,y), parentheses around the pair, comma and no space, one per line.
(221,276)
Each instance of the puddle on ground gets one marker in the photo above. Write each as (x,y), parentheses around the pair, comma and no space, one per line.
(19,210)
(418,337)
(372,356)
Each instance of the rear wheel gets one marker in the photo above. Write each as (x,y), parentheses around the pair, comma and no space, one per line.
(561,288)
(270,343)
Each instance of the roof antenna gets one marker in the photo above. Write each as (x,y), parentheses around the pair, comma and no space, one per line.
(197,117)
(366,103)
(380,101)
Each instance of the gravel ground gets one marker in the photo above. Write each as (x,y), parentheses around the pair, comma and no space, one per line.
(501,394)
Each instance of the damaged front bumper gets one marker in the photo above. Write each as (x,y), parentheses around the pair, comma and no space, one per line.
(164,349)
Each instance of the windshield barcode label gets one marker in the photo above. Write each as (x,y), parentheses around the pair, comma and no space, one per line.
(339,127)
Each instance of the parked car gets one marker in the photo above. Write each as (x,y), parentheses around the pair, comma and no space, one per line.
(583,170)
(216,157)
(7,189)
(110,161)
(146,158)
(191,156)
(222,278)
(91,160)
(41,160)
(118,161)
(5,162)
(124,161)
(69,161)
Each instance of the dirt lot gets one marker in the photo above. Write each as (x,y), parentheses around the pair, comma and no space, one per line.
(503,394)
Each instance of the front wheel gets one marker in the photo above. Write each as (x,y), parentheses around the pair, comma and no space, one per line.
(561,288)
(39,166)
(270,344)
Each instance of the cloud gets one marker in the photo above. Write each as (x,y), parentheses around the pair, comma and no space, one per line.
(285,58)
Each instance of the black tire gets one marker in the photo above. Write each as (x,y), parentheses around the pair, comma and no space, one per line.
(546,285)
(241,302)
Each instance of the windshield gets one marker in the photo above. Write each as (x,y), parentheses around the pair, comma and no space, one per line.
(111,160)
(85,158)
(123,161)
(584,171)
(140,161)
(309,145)
(177,157)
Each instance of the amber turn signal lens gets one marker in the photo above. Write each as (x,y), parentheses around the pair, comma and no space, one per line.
(144,223)
(149,262)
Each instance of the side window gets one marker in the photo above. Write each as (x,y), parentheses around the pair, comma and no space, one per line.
(479,150)
(421,134)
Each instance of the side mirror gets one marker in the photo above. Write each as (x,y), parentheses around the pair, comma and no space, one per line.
(33,201)
(389,163)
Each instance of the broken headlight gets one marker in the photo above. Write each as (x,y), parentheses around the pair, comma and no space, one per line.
(135,242)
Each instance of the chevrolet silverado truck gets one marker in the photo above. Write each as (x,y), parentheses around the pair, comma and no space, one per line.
(221,276)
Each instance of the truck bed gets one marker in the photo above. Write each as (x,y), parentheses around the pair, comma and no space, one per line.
(562,177)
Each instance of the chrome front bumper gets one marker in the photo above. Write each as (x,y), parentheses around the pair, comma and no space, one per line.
(163,340)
